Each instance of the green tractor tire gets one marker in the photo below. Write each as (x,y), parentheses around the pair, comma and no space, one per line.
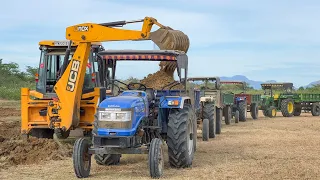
(287,107)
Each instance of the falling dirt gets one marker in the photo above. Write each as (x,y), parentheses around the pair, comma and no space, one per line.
(158,80)
(15,150)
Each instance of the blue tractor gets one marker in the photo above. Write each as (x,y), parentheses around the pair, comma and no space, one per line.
(135,119)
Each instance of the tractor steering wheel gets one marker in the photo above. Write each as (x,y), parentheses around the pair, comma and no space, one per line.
(114,85)
(131,86)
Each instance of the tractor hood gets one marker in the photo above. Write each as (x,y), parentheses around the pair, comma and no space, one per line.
(120,102)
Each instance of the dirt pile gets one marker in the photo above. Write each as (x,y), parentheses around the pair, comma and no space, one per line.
(158,80)
(15,150)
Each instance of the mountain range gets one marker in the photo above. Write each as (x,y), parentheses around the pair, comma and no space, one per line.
(252,83)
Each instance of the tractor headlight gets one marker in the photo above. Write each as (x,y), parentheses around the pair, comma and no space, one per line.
(115,116)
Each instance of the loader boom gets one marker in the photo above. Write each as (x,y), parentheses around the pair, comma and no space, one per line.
(69,86)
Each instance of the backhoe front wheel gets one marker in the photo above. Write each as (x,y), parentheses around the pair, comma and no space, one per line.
(287,107)
(81,158)
(181,137)
(156,158)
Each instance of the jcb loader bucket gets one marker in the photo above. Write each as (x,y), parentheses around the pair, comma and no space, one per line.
(169,39)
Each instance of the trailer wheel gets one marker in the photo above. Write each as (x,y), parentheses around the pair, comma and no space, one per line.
(242,111)
(62,134)
(236,116)
(156,158)
(208,113)
(218,120)
(297,110)
(315,109)
(272,112)
(81,158)
(180,137)
(205,130)
(42,133)
(228,115)
(287,107)
(254,110)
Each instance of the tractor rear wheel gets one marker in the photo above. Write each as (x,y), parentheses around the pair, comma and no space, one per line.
(205,130)
(81,158)
(107,159)
(208,113)
(42,133)
(62,134)
(287,107)
(227,115)
(254,110)
(180,137)
(242,111)
(218,120)
(236,116)
(315,109)
(156,158)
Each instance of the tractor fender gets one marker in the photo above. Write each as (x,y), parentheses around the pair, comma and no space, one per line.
(170,102)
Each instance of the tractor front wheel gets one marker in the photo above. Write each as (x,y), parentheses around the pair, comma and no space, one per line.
(227,115)
(315,109)
(254,110)
(156,158)
(287,107)
(81,158)
(218,120)
(272,112)
(205,130)
(181,137)
(297,110)
(236,116)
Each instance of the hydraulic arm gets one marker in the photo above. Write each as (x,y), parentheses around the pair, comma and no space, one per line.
(66,109)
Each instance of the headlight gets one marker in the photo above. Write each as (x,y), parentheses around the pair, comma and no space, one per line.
(115,116)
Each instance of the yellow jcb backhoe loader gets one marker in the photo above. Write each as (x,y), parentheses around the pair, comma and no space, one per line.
(66,108)
(35,117)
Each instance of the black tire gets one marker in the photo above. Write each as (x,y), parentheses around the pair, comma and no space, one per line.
(297,110)
(95,125)
(227,115)
(42,133)
(208,113)
(81,158)
(236,116)
(107,159)
(179,136)
(254,111)
(62,134)
(205,130)
(265,113)
(287,107)
(242,107)
(218,120)
(156,158)
(271,112)
(315,109)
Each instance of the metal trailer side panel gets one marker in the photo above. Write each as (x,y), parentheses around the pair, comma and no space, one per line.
(228,99)
(256,98)
(309,97)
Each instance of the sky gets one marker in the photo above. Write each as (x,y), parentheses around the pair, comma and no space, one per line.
(263,40)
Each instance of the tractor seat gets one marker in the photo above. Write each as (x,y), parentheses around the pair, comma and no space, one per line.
(150,94)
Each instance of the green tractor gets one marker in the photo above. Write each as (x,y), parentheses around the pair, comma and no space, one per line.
(286,101)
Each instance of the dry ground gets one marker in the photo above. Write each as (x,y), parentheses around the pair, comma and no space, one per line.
(279,148)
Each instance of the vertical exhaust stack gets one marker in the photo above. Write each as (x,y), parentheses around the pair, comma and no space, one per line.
(169,39)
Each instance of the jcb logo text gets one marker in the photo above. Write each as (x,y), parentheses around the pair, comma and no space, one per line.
(73,75)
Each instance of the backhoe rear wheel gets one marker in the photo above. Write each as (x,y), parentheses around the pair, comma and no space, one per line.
(81,158)
(315,109)
(254,110)
(287,107)
(208,113)
(180,137)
